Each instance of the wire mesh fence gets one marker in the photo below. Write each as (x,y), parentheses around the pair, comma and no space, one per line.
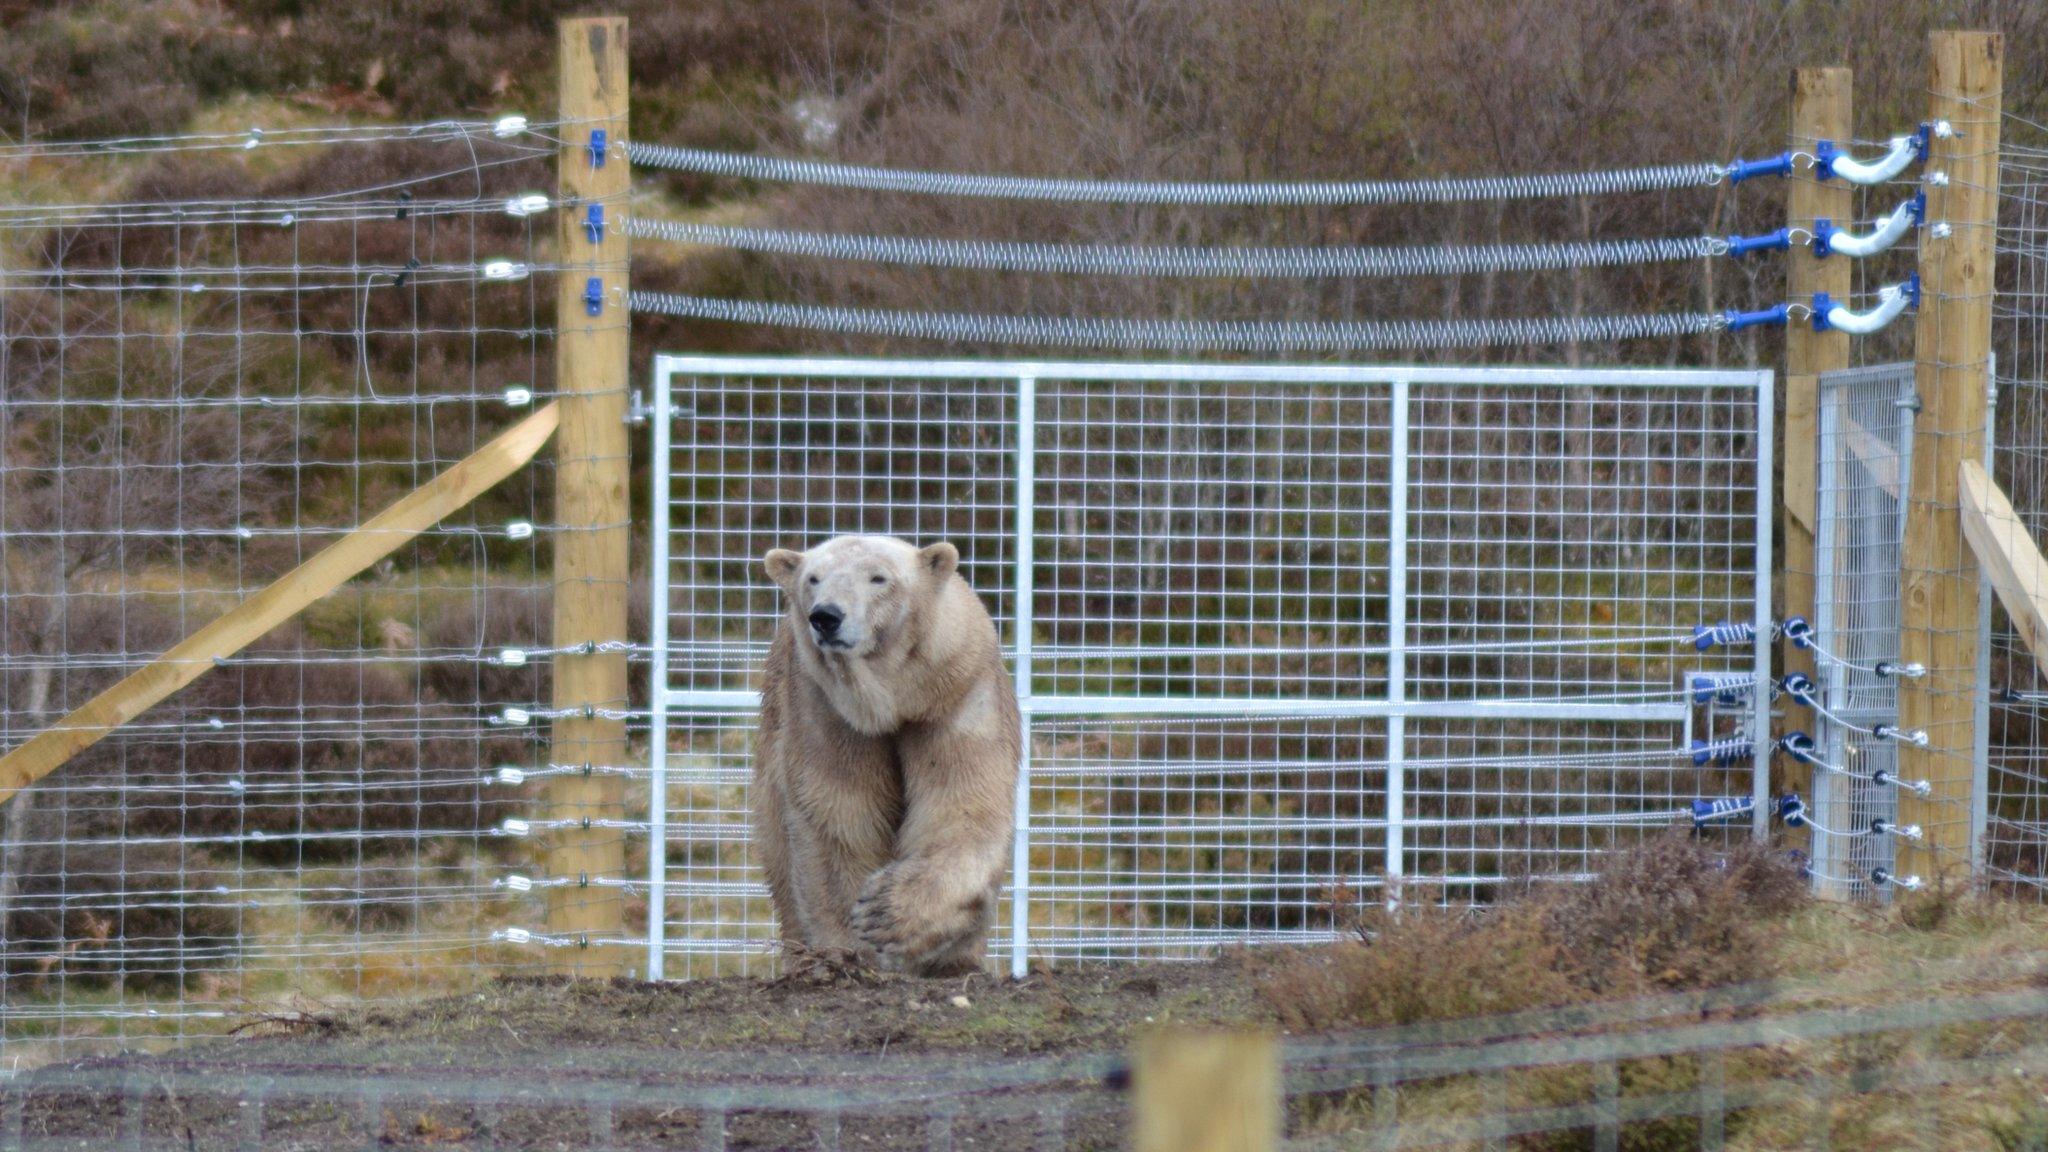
(228,365)
(1290,635)
(2015,846)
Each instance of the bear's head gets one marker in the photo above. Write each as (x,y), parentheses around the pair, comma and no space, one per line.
(861,595)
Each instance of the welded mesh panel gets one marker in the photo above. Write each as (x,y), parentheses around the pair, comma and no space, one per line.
(1562,535)
(2016,805)
(1494,802)
(1212,539)
(1167,837)
(762,463)
(1866,445)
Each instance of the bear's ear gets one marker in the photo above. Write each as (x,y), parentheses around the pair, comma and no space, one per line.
(939,559)
(783,565)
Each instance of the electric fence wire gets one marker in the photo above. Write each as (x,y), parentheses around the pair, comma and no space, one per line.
(1131,260)
(1209,335)
(1437,191)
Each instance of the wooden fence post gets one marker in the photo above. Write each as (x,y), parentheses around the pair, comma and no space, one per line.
(592,516)
(1822,109)
(1205,1091)
(1938,587)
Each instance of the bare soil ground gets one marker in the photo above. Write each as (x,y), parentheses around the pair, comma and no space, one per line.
(832,1058)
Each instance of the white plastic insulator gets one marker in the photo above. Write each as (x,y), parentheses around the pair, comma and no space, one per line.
(518,936)
(516,716)
(1935,179)
(1943,230)
(1909,883)
(519,530)
(510,775)
(514,826)
(504,270)
(1891,301)
(508,127)
(1884,236)
(516,397)
(519,883)
(1904,149)
(255,138)
(1909,831)
(513,657)
(527,205)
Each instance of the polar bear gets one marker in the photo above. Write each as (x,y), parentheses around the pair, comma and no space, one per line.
(887,757)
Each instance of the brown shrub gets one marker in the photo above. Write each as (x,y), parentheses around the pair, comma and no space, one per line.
(1673,913)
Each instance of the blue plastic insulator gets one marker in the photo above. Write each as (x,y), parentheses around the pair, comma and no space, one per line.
(1799,746)
(1799,687)
(593,223)
(599,144)
(1919,206)
(1798,631)
(1792,810)
(1777,165)
(1821,303)
(1726,687)
(1735,320)
(1721,808)
(593,296)
(1912,289)
(1823,231)
(1769,241)
(1825,153)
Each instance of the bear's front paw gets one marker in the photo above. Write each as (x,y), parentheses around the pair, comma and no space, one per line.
(913,924)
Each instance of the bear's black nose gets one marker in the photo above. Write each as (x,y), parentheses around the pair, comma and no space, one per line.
(825,618)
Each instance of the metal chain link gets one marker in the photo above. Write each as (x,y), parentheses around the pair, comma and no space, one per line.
(1443,190)
(1135,260)
(1219,335)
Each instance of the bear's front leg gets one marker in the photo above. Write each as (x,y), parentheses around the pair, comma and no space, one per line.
(929,910)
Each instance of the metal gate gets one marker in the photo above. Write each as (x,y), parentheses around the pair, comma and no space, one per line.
(1866,465)
(1287,638)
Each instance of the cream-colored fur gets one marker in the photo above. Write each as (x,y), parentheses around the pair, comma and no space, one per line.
(887,758)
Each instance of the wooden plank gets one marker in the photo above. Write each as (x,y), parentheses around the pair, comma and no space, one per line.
(1879,462)
(1938,587)
(594,532)
(248,621)
(1205,1091)
(1821,110)
(2009,557)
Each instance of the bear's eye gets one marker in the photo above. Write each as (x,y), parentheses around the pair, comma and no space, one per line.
(878,579)
(814,579)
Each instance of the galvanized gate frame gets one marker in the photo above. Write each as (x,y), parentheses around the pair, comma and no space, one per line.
(1395,708)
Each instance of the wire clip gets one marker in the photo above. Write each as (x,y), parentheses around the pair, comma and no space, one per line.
(518,396)
(511,776)
(505,270)
(530,204)
(508,126)
(1917,737)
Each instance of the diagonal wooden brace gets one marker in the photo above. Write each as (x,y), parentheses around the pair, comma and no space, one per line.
(2009,557)
(290,594)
